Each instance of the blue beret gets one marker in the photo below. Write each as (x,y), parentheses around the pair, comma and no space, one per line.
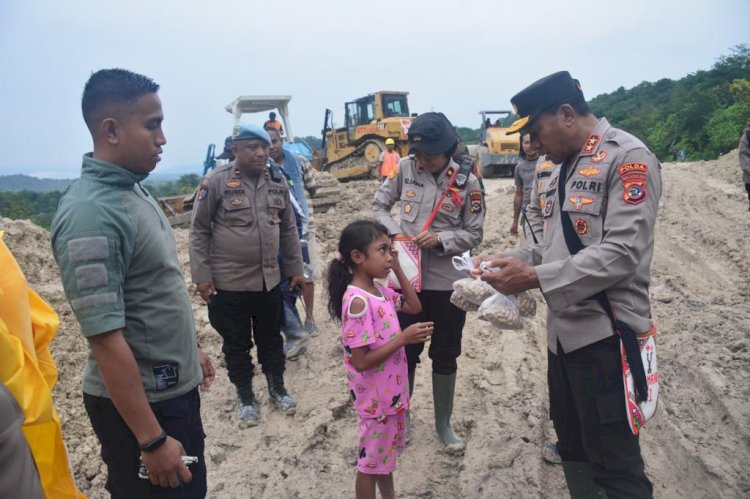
(247,131)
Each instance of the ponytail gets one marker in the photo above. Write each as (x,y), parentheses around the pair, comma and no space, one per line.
(356,236)
(339,277)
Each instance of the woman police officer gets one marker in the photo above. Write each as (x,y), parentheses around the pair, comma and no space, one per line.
(456,219)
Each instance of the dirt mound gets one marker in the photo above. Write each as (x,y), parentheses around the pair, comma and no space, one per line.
(698,445)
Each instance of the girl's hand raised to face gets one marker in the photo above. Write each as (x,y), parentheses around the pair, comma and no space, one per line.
(395,265)
(417,333)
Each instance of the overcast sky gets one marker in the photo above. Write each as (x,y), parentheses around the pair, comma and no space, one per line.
(456,57)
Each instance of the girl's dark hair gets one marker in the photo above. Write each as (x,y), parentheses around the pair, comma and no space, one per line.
(356,236)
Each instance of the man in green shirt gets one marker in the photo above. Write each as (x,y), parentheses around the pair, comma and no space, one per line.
(118,262)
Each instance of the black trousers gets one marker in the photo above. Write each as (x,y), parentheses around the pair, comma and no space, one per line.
(587,407)
(445,344)
(747,188)
(241,317)
(180,417)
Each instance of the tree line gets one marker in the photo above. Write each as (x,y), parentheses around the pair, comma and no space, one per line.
(40,207)
(702,114)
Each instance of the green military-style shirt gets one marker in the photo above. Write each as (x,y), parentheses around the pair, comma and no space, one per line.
(118,262)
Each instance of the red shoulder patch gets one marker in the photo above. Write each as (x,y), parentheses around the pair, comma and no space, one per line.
(633,176)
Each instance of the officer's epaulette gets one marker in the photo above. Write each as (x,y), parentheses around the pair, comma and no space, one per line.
(464,170)
(625,140)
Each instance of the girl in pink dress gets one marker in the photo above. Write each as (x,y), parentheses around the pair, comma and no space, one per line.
(374,354)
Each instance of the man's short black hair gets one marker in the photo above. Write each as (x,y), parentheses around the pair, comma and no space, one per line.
(113,86)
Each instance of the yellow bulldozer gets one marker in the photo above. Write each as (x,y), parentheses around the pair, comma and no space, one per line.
(352,151)
(497,153)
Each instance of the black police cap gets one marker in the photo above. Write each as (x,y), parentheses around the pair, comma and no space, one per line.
(431,133)
(541,95)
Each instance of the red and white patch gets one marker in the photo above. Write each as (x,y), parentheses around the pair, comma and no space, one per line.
(581,226)
(633,176)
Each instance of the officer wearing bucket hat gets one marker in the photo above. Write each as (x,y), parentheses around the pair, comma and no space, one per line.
(599,214)
(419,183)
(242,221)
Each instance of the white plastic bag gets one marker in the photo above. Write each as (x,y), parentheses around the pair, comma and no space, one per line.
(473,290)
(458,300)
(501,312)
(526,303)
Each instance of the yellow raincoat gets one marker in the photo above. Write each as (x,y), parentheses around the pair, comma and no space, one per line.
(27,326)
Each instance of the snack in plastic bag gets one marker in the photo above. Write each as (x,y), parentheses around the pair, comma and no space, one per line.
(474,290)
(458,300)
(501,312)
(526,303)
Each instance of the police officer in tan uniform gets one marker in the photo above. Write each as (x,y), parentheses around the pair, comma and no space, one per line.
(418,186)
(744,151)
(607,184)
(242,219)
(534,218)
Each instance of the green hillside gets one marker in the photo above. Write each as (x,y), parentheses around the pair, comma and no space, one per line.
(14,183)
(703,113)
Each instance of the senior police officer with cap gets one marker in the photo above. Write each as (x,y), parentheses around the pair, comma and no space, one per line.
(599,216)
(419,184)
(242,219)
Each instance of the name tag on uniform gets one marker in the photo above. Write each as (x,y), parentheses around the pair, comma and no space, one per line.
(548,204)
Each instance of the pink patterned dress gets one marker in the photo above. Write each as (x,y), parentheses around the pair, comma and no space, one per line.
(381,393)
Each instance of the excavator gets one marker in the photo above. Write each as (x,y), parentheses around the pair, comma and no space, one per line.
(497,153)
(352,151)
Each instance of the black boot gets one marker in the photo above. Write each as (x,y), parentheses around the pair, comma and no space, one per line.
(248,405)
(278,395)
(579,476)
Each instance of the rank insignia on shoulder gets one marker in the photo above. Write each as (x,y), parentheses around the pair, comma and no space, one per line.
(580,201)
(202,193)
(449,172)
(633,176)
(475,201)
(590,171)
(599,157)
(546,165)
(581,226)
(590,144)
(233,183)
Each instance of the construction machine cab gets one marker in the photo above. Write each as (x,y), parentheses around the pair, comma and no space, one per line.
(352,151)
(497,153)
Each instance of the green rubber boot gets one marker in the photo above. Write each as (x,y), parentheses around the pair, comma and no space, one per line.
(580,479)
(443,388)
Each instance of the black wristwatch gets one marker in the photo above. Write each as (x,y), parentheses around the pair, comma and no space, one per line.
(155,443)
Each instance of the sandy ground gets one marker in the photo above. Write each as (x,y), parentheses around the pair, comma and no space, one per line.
(698,444)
